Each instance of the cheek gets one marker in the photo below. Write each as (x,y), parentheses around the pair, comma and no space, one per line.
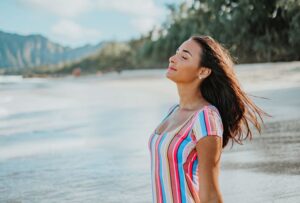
(187,73)
(188,68)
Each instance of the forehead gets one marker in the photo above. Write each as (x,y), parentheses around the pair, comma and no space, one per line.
(191,46)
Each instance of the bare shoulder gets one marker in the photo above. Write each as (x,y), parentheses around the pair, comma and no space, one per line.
(209,149)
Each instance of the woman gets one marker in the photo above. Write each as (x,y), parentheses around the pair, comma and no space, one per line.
(186,146)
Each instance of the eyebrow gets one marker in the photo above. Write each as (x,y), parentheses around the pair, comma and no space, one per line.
(184,50)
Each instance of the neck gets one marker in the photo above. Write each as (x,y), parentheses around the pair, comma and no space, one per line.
(190,97)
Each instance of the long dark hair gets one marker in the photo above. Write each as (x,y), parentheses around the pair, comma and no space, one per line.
(222,89)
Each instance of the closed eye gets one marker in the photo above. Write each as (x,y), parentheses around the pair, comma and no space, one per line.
(185,58)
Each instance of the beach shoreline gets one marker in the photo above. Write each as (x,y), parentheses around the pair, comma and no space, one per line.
(58,132)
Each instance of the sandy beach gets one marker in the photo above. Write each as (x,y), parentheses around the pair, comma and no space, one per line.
(67,138)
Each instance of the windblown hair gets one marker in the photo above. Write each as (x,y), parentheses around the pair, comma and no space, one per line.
(222,89)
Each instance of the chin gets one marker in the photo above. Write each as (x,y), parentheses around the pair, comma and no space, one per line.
(169,77)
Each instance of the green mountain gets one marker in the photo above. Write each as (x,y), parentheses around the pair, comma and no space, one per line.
(19,51)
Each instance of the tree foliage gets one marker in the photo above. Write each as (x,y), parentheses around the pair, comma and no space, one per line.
(252,30)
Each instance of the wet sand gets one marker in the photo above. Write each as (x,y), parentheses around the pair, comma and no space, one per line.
(85,139)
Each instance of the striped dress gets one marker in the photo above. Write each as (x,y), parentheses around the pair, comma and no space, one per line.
(174,163)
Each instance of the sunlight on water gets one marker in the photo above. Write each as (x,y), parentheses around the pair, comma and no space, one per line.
(85,139)
(45,147)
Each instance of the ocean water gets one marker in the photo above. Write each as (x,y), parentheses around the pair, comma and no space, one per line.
(85,140)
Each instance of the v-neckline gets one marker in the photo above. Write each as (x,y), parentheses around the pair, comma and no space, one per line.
(183,124)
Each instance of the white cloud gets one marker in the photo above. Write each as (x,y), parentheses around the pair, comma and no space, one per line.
(74,33)
(131,7)
(71,8)
(144,13)
(143,25)
(64,8)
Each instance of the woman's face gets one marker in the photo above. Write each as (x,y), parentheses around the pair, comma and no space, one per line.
(184,65)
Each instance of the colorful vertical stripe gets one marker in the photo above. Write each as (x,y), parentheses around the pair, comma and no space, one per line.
(174,163)
(207,122)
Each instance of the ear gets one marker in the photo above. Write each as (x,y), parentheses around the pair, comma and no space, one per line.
(207,71)
(204,72)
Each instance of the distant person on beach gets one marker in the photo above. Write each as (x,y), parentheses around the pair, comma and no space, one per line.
(186,146)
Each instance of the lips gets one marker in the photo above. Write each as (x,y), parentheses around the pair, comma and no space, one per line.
(172,68)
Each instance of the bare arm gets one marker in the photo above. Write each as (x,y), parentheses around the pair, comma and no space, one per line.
(209,151)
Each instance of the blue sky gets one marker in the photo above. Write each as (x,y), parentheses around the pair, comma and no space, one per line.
(77,22)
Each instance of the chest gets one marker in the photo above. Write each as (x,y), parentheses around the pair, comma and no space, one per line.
(172,123)
(175,147)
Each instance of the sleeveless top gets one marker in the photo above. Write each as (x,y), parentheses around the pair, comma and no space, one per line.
(174,163)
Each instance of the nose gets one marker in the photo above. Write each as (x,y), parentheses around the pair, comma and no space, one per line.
(171,59)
